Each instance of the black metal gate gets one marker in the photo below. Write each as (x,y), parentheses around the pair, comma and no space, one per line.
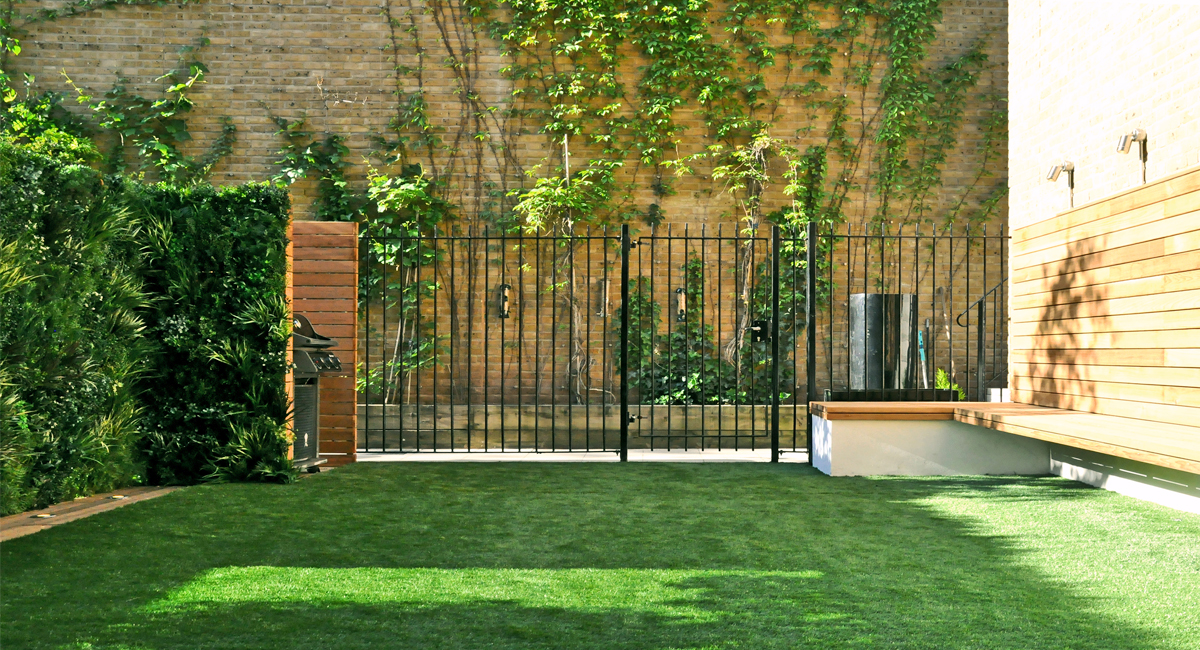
(683,339)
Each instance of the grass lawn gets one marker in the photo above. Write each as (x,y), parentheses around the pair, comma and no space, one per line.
(605,556)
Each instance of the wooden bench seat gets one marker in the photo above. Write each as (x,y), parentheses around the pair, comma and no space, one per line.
(1173,446)
(1162,444)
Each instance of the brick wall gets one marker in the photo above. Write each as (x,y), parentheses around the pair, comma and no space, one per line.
(1083,73)
(334,62)
(325,289)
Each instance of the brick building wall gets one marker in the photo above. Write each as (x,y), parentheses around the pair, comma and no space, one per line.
(1082,74)
(334,63)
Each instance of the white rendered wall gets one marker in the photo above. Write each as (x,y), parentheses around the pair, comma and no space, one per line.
(1168,487)
(1083,73)
(922,448)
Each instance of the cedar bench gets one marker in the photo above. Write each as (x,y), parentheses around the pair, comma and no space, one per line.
(1127,455)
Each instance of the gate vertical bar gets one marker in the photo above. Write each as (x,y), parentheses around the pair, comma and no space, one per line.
(625,343)
(775,344)
(981,388)
(810,325)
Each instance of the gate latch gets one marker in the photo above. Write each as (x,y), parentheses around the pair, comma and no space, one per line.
(631,418)
(760,331)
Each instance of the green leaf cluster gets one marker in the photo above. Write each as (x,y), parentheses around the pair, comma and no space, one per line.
(143,328)
(71,333)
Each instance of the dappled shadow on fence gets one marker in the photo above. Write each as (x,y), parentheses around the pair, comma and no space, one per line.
(566,556)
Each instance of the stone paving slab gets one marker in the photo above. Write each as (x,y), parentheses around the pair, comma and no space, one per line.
(635,455)
(27,523)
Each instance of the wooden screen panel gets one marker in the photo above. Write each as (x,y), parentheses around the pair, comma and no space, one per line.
(325,289)
(1105,307)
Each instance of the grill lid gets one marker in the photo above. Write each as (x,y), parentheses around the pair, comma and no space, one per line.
(303,335)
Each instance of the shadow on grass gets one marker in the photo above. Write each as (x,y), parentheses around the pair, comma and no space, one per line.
(554,556)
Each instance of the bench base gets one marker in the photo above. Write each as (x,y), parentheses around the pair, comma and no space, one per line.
(922,448)
(1162,485)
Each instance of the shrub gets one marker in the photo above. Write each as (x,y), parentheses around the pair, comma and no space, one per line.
(215,264)
(71,343)
(143,328)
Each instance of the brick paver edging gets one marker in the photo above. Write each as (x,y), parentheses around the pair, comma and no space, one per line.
(27,523)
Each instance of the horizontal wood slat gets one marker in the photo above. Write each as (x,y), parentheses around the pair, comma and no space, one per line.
(337,395)
(337,446)
(1182,338)
(337,421)
(1172,207)
(322,304)
(1184,377)
(1161,190)
(324,241)
(1157,413)
(1166,265)
(336,254)
(1163,320)
(1161,229)
(341,333)
(340,292)
(1131,392)
(344,228)
(885,410)
(1145,358)
(323,267)
(327,279)
(1174,301)
(325,318)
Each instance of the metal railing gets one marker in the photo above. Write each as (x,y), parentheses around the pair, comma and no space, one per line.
(886,298)
(999,362)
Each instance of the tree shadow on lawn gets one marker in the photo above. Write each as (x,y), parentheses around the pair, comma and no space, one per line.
(553,556)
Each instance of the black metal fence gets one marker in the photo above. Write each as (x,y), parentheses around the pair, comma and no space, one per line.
(684,338)
(898,308)
(517,343)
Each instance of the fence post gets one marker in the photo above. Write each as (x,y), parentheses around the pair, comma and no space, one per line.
(625,342)
(810,326)
(775,344)
(981,388)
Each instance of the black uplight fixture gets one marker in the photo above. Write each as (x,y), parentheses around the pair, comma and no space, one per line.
(1125,145)
(1057,170)
(502,306)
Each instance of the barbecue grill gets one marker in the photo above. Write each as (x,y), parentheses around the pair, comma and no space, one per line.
(312,357)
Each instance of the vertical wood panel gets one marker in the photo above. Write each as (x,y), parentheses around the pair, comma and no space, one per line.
(325,282)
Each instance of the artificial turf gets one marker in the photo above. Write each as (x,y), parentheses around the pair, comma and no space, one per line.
(607,556)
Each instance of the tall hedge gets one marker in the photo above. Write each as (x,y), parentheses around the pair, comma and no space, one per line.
(71,333)
(215,266)
(143,329)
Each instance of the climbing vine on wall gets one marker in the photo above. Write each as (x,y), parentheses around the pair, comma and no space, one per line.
(629,102)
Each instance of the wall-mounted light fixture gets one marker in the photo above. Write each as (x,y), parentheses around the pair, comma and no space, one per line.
(680,305)
(1125,144)
(1057,170)
(502,305)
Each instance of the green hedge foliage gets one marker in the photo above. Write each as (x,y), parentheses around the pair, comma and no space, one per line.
(143,328)
(215,267)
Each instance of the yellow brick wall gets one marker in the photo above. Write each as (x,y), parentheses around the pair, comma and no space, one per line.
(1082,74)
(333,61)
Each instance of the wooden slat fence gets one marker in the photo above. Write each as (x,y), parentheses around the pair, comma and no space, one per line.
(325,289)
(1106,306)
